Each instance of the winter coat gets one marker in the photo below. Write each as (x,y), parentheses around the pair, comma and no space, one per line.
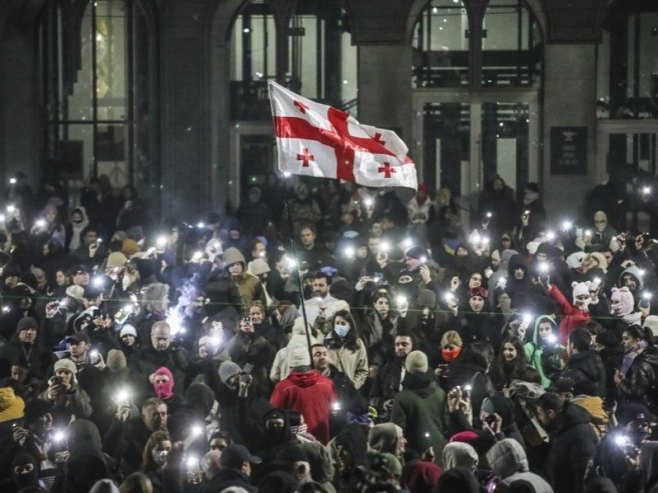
(353,363)
(281,364)
(571,317)
(546,359)
(378,335)
(250,288)
(420,410)
(387,384)
(641,379)
(587,365)
(508,460)
(310,394)
(38,359)
(572,445)
(74,404)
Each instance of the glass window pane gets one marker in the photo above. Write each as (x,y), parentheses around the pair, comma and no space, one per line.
(440,45)
(111,64)
(73,151)
(511,45)
(446,145)
(505,142)
(79,104)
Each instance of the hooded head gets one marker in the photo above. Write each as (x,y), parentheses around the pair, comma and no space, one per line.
(600,220)
(163,383)
(386,437)
(540,335)
(459,454)
(581,295)
(622,302)
(507,457)
(631,277)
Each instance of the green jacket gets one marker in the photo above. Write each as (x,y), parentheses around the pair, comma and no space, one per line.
(534,350)
(421,411)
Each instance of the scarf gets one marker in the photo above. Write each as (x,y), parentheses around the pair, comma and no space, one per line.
(630,356)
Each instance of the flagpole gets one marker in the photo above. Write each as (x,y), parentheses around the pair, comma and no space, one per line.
(293,246)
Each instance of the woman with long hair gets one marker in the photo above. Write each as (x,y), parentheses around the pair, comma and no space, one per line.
(158,463)
(512,364)
(347,350)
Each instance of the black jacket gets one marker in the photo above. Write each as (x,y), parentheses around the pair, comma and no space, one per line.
(573,443)
(641,380)
(587,365)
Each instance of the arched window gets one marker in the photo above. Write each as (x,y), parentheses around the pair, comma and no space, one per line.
(440,45)
(511,45)
(98,65)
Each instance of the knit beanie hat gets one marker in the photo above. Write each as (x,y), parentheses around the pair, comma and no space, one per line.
(116,360)
(27,323)
(36,408)
(128,330)
(299,356)
(622,301)
(416,362)
(416,252)
(65,364)
(258,266)
(164,390)
(228,369)
(233,255)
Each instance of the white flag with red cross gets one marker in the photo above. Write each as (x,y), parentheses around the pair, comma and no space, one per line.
(314,139)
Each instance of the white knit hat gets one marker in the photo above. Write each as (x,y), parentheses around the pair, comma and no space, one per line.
(416,362)
(299,356)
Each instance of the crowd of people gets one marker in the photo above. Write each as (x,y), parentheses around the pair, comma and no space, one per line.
(386,348)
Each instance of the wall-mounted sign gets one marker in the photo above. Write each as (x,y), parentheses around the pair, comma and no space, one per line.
(569,150)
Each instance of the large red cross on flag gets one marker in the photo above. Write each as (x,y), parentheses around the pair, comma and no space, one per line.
(317,140)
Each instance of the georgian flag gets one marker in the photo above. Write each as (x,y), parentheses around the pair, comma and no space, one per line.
(317,140)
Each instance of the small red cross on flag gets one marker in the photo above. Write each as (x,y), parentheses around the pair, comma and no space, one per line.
(386,169)
(305,157)
(332,144)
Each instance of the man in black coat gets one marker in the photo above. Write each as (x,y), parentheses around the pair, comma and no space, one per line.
(127,437)
(584,362)
(572,440)
(158,353)
(389,378)
(26,347)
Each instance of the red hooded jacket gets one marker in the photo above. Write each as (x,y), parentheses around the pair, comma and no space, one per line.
(310,394)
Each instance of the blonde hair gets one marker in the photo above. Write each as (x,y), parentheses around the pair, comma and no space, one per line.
(451,337)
